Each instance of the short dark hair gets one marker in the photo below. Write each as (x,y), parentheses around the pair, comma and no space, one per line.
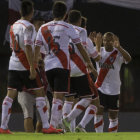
(83,22)
(74,16)
(59,9)
(26,7)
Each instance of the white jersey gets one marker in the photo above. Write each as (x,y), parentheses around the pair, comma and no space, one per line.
(54,37)
(77,63)
(22,33)
(108,68)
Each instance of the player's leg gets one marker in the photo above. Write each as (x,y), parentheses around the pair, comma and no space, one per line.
(113,113)
(82,89)
(92,108)
(98,119)
(37,87)
(89,114)
(13,85)
(58,80)
(39,122)
(27,101)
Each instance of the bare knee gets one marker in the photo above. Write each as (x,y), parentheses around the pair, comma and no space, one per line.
(113,114)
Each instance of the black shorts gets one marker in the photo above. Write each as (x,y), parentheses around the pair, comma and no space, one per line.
(83,86)
(109,101)
(58,79)
(20,79)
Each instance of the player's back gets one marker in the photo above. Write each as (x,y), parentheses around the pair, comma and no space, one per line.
(76,69)
(56,37)
(22,33)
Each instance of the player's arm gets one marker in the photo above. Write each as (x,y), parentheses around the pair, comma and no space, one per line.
(38,45)
(97,39)
(28,50)
(87,59)
(29,55)
(124,53)
(98,42)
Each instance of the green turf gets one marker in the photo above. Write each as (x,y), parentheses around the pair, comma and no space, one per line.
(72,136)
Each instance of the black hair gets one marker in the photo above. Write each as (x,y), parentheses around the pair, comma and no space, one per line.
(74,16)
(59,9)
(26,7)
(83,22)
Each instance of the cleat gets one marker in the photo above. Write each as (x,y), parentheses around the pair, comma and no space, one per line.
(5,131)
(58,129)
(50,130)
(66,125)
(79,128)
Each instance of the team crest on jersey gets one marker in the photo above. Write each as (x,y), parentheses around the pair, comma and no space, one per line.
(111,59)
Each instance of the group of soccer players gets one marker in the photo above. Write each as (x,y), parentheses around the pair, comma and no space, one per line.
(68,69)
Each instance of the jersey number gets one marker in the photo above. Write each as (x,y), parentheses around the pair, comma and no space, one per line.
(53,46)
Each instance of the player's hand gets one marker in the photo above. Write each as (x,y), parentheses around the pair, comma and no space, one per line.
(92,36)
(116,42)
(92,69)
(32,73)
(98,39)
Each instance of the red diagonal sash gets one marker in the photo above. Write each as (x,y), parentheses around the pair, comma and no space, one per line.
(78,61)
(53,46)
(103,72)
(19,53)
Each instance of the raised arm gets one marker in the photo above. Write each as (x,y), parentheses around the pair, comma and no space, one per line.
(124,53)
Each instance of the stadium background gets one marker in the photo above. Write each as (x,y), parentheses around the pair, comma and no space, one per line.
(102,17)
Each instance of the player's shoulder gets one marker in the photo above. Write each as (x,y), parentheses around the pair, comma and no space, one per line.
(79,29)
(25,24)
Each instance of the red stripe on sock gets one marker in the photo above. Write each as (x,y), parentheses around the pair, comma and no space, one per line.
(80,107)
(44,109)
(98,124)
(113,128)
(9,111)
(60,107)
(91,112)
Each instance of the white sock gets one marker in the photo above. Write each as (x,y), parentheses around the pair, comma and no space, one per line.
(113,125)
(98,123)
(78,109)
(89,114)
(72,125)
(6,112)
(67,108)
(42,109)
(56,112)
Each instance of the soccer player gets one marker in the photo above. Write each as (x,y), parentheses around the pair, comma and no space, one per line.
(27,98)
(108,81)
(81,82)
(55,37)
(23,70)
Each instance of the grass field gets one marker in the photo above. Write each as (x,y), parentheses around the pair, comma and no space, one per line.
(72,136)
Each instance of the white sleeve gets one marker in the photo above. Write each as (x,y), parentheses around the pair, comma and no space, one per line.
(39,41)
(83,37)
(28,33)
(91,48)
(121,58)
(73,35)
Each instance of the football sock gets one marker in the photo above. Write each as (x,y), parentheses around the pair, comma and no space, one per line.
(42,109)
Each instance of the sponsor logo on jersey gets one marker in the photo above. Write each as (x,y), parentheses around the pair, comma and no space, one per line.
(106,66)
